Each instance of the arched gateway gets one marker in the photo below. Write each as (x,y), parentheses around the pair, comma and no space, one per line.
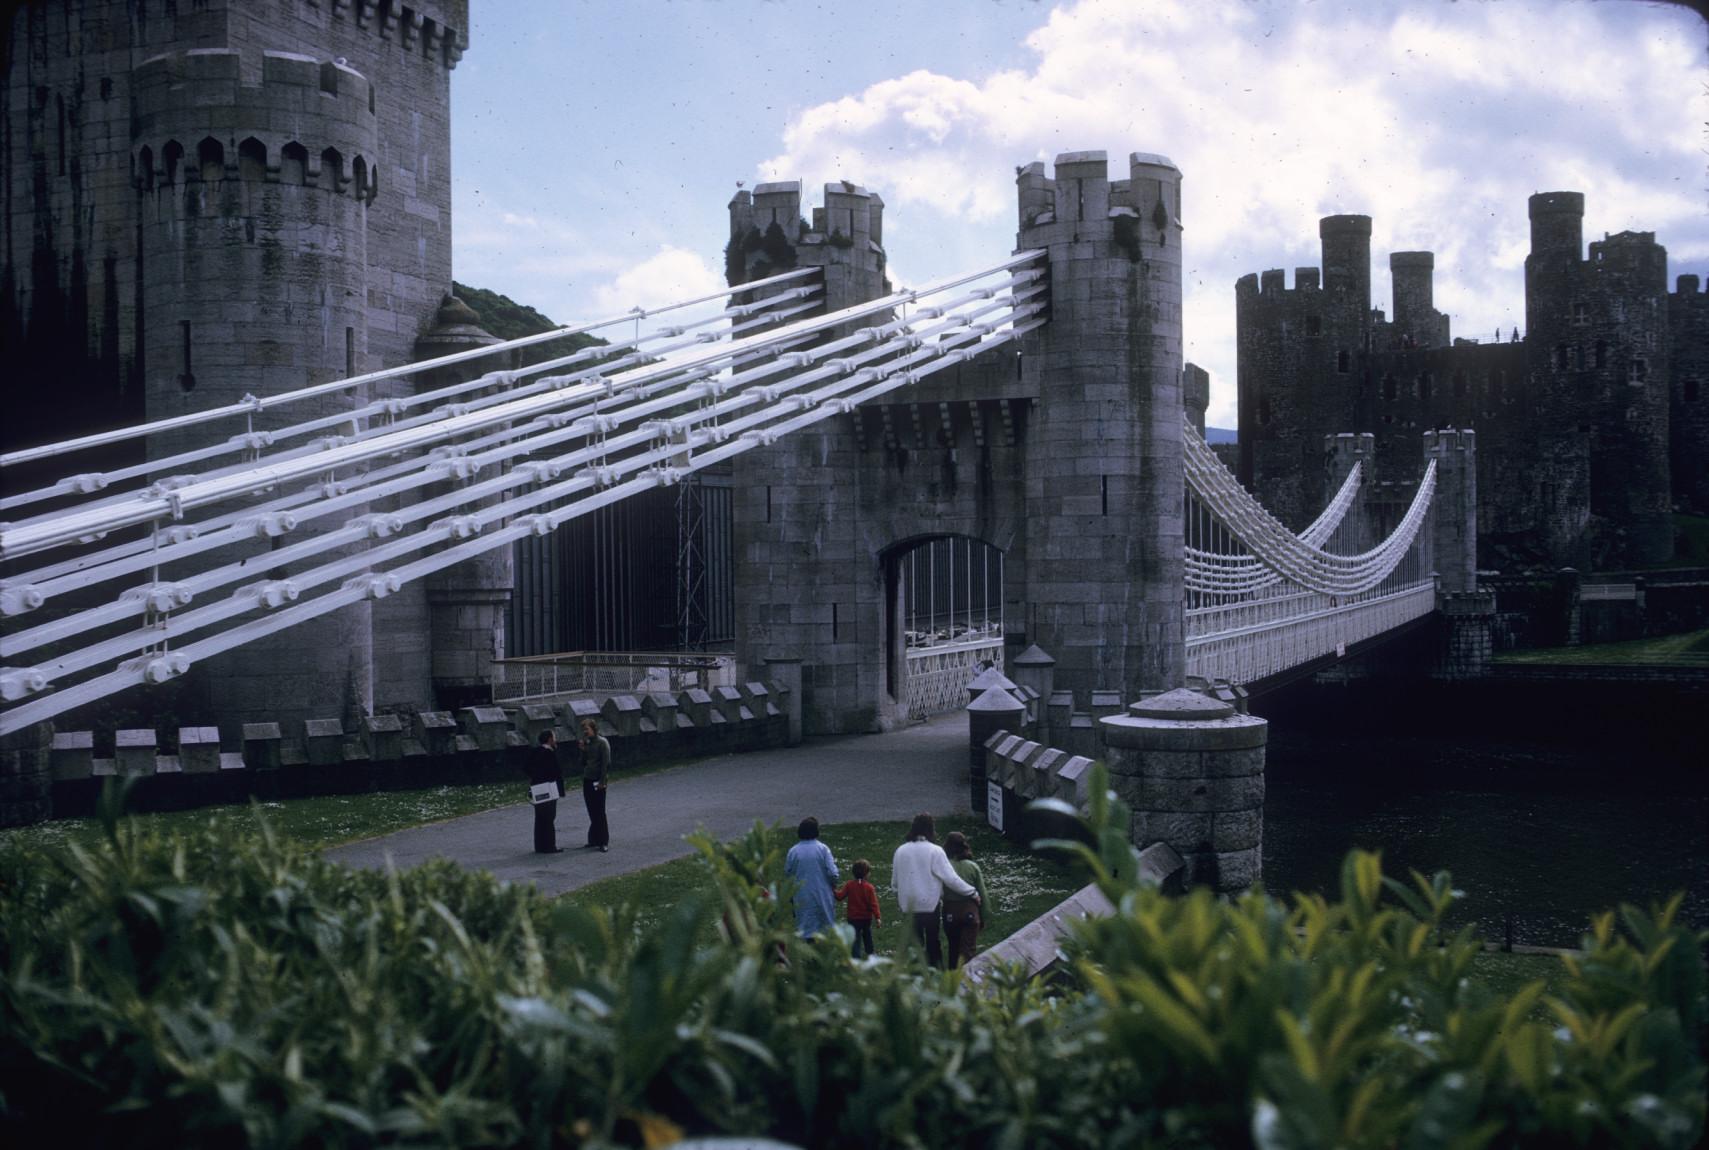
(1065,455)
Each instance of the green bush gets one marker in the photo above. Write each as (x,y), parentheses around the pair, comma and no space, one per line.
(233,990)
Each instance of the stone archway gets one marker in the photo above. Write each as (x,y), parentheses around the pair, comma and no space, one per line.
(943,597)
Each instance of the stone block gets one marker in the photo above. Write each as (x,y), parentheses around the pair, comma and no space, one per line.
(1162,866)
(696,703)
(623,714)
(1073,780)
(1236,794)
(199,750)
(728,700)
(72,755)
(323,739)
(1237,830)
(488,726)
(575,710)
(532,718)
(436,731)
(384,736)
(134,752)
(262,746)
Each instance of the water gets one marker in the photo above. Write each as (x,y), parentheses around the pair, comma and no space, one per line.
(1546,811)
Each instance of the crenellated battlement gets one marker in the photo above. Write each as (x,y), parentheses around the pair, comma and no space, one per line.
(1081,201)
(1687,286)
(851,215)
(1272,283)
(433,31)
(306,121)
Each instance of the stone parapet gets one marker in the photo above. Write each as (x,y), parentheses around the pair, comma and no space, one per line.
(1191,770)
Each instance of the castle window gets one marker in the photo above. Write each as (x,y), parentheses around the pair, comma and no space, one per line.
(210,160)
(1581,317)
(1578,356)
(329,78)
(1601,353)
(1389,387)
(293,164)
(1314,325)
(1637,371)
(171,156)
(145,169)
(187,378)
(1560,357)
(332,170)
(1341,362)
(359,177)
(252,159)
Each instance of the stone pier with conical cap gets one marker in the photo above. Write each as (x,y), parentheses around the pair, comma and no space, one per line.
(1191,769)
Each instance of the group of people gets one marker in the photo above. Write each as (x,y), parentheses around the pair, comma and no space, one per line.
(935,886)
(544,767)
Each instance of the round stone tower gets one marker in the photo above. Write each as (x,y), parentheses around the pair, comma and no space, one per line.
(1347,264)
(258,172)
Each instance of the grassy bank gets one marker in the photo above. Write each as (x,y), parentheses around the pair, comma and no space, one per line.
(1690,649)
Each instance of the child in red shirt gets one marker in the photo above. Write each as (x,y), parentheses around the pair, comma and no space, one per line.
(863,909)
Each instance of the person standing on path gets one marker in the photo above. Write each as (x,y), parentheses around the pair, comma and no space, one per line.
(543,768)
(921,873)
(810,864)
(596,772)
(962,916)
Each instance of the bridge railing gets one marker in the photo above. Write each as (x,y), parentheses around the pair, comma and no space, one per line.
(543,677)
(938,675)
(1244,643)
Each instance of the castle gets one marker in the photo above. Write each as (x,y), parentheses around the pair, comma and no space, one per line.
(212,199)
(1590,429)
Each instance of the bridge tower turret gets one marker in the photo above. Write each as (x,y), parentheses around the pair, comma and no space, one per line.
(1104,488)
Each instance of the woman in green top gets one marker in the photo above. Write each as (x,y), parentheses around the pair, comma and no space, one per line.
(962,916)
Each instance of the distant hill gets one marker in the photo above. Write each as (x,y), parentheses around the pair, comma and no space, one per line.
(507,319)
(1213,435)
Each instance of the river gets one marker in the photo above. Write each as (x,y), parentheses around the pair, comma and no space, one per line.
(1546,806)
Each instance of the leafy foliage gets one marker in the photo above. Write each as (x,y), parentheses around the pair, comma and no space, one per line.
(226,989)
(507,319)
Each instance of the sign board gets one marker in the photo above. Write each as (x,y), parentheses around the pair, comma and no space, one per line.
(994,805)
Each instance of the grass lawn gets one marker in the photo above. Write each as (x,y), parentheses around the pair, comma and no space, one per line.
(318,821)
(1022,885)
(321,821)
(1690,649)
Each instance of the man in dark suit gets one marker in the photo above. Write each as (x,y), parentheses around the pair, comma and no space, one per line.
(543,768)
(596,772)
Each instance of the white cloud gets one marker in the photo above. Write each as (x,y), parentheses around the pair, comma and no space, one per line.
(1436,120)
(669,276)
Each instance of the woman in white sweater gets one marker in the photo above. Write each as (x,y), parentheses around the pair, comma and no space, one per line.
(920,872)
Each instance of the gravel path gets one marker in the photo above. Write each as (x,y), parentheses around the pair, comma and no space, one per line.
(856,778)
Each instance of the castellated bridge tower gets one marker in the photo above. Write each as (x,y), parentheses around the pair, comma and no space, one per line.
(209,200)
(1065,455)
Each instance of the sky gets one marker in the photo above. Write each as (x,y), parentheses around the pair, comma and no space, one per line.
(596,143)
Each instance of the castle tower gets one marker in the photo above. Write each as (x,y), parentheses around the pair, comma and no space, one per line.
(1105,489)
(800,590)
(1688,412)
(1415,313)
(1347,267)
(210,200)
(254,253)
(1597,350)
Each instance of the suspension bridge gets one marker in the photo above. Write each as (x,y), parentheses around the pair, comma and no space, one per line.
(136,575)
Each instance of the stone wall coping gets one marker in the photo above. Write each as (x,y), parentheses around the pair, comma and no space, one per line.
(1181,703)
(1236,732)
(989,678)
(134,738)
(1033,656)
(997,699)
